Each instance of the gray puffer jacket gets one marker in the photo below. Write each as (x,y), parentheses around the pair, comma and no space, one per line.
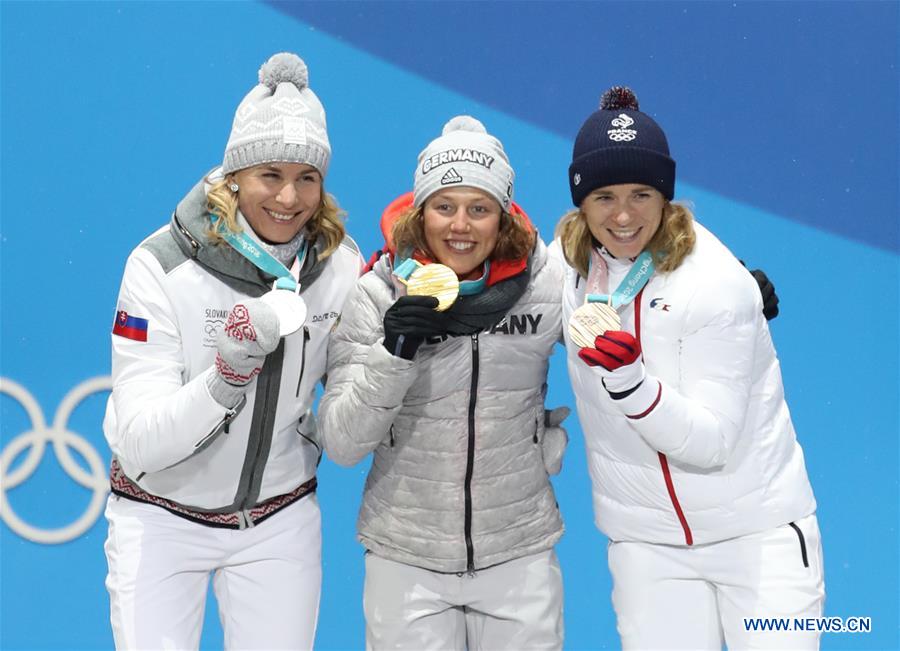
(458,482)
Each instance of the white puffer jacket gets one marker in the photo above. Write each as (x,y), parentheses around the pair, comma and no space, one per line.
(705,450)
(458,480)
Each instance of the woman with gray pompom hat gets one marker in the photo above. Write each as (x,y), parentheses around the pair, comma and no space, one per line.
(214,367)
(458,517)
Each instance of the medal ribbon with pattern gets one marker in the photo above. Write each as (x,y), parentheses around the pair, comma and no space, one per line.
(631,285)
(284,297)
(599,312)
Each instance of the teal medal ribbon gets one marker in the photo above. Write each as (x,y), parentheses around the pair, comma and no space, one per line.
(284,298)
(634,281)
(407,266)
(262,259)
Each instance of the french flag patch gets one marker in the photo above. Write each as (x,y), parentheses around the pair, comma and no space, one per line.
(130,327)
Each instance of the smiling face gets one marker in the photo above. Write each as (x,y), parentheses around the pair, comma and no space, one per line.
(277,199)
(624,218)
(461,228)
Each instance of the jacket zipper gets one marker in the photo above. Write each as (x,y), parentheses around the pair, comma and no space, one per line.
(244,521)
(803,553)
(223,424)
(309,440)
(263,387)
(302,359)
(195,246)
(670,488)
(663,460)
(470,457)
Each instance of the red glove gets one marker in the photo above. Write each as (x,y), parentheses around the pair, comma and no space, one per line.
(617,357)
(612,349)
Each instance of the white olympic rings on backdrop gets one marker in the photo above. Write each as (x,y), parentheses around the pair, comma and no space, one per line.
(97,480)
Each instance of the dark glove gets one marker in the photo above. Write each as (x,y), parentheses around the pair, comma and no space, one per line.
(769,297)
(767,289)
(409,321)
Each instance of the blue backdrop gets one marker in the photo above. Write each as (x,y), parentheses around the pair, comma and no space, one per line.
(782,117)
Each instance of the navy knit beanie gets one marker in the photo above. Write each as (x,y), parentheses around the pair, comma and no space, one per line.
(619,144)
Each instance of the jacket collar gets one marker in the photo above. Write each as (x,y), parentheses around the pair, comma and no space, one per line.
(190,227)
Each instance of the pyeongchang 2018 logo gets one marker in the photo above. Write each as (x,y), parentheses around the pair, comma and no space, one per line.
(58,436)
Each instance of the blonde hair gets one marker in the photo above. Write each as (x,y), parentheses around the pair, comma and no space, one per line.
(669,246)
(515,239)
(327,222)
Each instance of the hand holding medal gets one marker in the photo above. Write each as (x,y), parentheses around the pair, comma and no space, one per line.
(430,290)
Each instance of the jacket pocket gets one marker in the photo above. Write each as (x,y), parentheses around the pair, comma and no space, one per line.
(802,541)
(307,430)
(303,346)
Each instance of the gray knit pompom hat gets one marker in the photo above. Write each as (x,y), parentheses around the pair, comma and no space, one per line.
(464,155)
(280,120)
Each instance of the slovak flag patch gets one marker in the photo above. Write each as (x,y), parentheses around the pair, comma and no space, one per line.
(130,327)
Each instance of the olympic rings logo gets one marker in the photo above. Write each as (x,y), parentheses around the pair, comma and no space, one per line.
(622,135)
(97,480)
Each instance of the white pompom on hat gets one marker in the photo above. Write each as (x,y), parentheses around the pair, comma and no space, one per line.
(280,120)
(464,155)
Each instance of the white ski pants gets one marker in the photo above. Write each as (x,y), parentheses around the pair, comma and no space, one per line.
(514,605)
(266,578)
(677,597)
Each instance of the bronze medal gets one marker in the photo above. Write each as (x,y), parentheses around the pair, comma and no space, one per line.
(591,320)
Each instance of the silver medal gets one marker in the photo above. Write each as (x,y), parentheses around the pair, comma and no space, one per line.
(290,308)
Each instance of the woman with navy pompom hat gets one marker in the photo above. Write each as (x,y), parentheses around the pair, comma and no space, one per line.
(698,479)
(214,367)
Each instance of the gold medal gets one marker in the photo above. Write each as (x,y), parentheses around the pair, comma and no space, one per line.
(435,280)
(591,320)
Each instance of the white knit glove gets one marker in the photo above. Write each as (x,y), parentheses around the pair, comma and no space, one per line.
(555,439)
(250,333)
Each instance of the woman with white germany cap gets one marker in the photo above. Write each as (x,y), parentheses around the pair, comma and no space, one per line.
(214,369)
(439,367)
(698,479)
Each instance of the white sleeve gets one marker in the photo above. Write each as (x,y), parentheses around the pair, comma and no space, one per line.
(366,384)
(158,418)
(700,422)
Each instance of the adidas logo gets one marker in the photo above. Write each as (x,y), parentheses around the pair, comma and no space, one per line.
(452,176)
